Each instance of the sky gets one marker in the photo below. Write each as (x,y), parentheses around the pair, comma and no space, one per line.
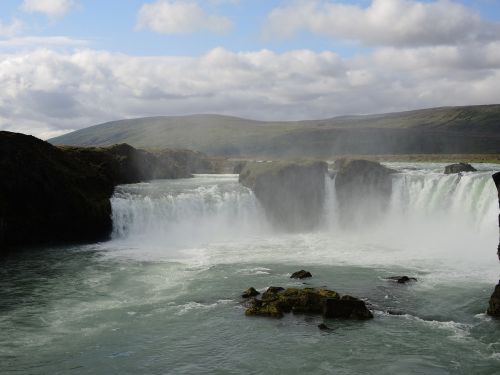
(69,64)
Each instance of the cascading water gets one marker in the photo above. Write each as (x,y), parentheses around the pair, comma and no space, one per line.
(185,212)
(208,208)
(163,296)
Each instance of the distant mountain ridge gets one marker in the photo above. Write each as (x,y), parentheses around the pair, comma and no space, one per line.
(449,130)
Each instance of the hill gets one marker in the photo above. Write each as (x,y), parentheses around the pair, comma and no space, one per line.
(446,130)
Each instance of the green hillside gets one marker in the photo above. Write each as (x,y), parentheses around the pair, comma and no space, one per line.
(448,130)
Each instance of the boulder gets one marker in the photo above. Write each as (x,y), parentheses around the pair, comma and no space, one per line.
(250,292)
(494,305)
(272,292)
(363,189)
(264,308)
(291,193)
(346,307)
(458,168)
(302,274)
(401,279)
(277,301)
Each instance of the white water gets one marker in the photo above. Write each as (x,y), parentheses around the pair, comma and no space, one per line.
(163,296)
(433,220)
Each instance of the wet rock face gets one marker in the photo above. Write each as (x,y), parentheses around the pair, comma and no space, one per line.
(401,279)
(496,180)
(292,194)
(302,274)
(250,292)
(363,190)
(346,307)
(494,306)
(459,167)
(277,301)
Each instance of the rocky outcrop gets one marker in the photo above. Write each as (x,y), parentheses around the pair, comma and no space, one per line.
(292,194)
(250,292)
(346,307)
(278,301)
(401,279)
(496,180)
(458,168)
(494,306)
(54,194)
(124,164)
(302,274)
(47,196)
(363,189)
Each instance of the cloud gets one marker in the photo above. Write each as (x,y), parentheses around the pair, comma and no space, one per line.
(41,41)
(11,29)
(46,93)
(398,23)
(51,8)
(179,17)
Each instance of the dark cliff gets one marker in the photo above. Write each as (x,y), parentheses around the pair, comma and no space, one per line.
(292,194)
(51,195)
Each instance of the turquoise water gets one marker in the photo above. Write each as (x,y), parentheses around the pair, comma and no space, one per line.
(162,297)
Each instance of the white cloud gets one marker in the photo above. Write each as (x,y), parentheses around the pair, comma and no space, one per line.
(383,22)
(51,8)
(46,93)
(10,29)
(179,17)
(41,41)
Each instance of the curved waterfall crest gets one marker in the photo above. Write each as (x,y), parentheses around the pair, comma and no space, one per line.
(211,204)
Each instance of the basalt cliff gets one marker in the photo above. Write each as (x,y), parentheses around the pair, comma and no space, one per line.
(51,195)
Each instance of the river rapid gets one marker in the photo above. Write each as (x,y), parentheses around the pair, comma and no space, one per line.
(163,295)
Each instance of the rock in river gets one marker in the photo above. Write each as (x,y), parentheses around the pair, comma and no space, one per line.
(346,307)
(302,274)
(250,292)
(277,301)
(401,279)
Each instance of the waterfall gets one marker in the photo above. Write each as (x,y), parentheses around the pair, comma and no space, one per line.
(428,208)
(202,208)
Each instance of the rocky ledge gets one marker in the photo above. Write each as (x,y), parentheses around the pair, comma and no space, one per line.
(363,189)
(494,306)
(277,301)
(54,194)
(459,168)
(291,193)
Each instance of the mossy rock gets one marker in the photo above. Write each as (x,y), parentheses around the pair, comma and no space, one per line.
(263,308)
(298,301)
(250,292)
